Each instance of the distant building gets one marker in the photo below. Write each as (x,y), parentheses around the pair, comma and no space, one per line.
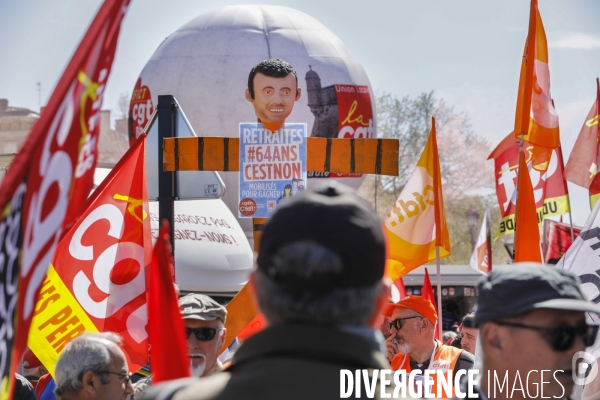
(323,104)
(16,123)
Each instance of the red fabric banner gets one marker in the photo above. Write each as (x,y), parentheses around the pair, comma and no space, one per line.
(168,348)
(47,186)
(427,292)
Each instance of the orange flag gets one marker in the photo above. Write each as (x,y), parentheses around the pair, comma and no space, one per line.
(527,233)
(417,222)
(535,115)
(583,162)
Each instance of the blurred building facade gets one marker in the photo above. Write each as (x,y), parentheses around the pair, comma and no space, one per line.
(16,123)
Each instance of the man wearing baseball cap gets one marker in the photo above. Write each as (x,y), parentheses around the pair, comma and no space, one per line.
(319,283)
(204,320)
(531,320)
(412,326)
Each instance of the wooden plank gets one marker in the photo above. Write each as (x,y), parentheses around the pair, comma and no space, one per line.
(241,310)
(362,156)
(258,225)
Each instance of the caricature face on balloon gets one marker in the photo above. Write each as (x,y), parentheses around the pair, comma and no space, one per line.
(273,90)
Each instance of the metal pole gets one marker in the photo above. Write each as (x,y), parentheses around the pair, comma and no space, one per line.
(166,181)
(439,290)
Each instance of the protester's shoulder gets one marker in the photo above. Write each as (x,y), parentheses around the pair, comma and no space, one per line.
(188,388)
(23,389)
(466,360)
(205,388)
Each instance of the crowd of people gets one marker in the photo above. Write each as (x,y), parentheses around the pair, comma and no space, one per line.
(322,303)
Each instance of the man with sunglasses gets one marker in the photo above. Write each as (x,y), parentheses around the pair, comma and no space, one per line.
(204,320)
(531,320)
(93,367)
(412,346)
(319,283)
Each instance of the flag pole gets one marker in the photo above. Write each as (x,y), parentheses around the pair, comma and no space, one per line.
(439,290)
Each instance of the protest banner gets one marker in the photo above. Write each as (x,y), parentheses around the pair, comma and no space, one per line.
(272,167)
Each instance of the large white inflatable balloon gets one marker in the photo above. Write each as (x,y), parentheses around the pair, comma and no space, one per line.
(205,65)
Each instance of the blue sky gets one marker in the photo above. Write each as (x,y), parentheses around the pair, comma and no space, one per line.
(467,51)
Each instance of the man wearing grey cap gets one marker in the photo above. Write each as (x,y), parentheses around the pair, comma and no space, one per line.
(204,325)
(531,320)
(319,283)
(204,320)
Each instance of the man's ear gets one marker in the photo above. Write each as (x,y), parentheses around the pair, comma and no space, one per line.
(492,340)
(382,299)
(248,97)
(298,93)
(90,383)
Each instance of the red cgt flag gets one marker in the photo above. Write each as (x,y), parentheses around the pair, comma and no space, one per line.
(527,233)
(46,188)
(427,292)
(168,348)
(98,270)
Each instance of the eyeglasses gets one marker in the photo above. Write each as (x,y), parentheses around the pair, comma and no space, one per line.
(562,337)
(202,334)
(398,322)
(123,375)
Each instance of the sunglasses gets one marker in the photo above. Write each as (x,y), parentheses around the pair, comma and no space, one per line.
(398,323)
(123,375)
(202,334)
(561,338)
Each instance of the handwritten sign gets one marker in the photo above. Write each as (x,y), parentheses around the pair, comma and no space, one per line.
(272,167)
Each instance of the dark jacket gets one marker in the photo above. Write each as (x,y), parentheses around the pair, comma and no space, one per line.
(287,361)
(23,389)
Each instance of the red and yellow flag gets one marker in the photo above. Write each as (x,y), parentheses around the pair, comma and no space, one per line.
(549,187)
(527,232)
(97,280)
(535,115)
(46,188)
(416,225)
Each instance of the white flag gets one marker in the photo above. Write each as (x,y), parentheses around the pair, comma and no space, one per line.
(583,259)
(481,260)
